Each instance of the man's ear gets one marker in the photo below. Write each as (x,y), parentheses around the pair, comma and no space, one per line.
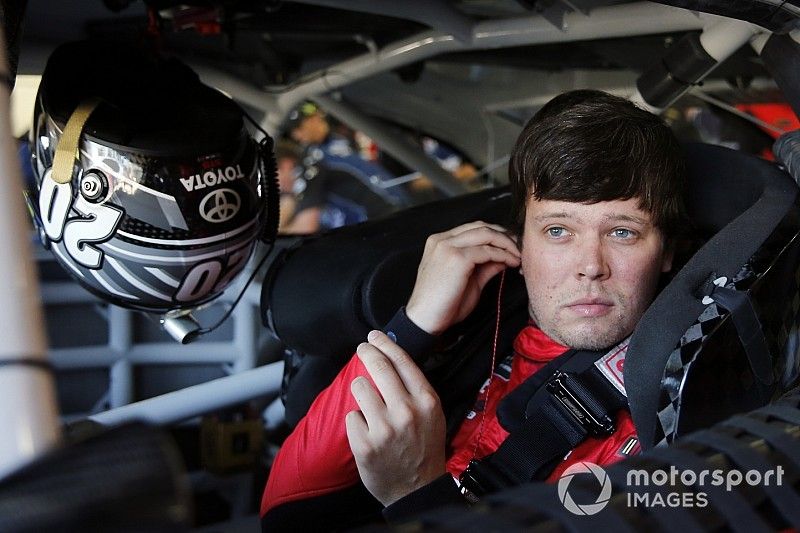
(669,255)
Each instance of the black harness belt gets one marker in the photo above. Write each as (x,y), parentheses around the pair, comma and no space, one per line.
(565,402)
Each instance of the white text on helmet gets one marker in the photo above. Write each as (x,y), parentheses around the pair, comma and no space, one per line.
(211,178)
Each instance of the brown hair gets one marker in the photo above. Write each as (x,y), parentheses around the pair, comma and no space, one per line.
(588,146)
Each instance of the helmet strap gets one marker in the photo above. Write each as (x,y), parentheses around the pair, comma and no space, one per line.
(67,149)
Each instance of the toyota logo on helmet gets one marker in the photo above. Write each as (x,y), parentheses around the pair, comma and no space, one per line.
(220,206)
(151,192)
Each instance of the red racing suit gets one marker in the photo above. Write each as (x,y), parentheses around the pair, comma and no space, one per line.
(315,460)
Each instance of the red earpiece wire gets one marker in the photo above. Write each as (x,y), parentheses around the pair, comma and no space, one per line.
(491,369)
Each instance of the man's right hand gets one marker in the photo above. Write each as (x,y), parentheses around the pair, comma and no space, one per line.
(455,267)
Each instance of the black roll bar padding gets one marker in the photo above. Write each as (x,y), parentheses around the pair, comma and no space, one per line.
(787,152)
(685,63)
(323,295)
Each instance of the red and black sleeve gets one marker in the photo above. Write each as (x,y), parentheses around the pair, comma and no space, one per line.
(314,478)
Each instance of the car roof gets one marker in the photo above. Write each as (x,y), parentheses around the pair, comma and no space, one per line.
(468,72)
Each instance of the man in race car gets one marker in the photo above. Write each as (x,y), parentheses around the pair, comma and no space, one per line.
(596,188)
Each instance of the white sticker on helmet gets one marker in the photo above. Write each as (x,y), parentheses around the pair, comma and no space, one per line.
(211,178)
(80,233)
(55,199)
(199,281)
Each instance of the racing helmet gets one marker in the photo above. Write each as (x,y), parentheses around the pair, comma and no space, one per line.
(150,191)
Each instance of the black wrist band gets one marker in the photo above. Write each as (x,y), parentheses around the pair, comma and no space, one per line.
(410,337)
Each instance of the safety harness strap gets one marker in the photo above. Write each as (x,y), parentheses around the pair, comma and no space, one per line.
(511,409)
(567,401)
(749,329)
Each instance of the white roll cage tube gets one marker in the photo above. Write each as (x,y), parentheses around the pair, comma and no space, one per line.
(28,408)
(199,399)
(639,18)
(721,37)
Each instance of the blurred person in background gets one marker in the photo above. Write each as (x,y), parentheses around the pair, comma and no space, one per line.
(287,159)
(337,187)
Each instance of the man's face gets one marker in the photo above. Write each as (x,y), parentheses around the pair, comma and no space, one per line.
(591,270)
(311,130)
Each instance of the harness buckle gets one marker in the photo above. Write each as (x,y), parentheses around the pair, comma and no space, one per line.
(596,426)
(481,478)
(469,487)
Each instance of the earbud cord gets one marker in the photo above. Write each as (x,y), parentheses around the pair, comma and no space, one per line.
(491,369)
(203,331)
(253,122)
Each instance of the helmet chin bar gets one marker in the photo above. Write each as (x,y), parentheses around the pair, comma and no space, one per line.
(183,328)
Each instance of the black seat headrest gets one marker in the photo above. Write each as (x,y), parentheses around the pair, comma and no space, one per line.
(723,183)
(737,201)
(323,296)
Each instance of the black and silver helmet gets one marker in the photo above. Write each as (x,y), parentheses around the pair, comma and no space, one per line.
(160,192)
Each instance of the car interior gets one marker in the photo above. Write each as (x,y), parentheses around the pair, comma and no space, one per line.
(145,433)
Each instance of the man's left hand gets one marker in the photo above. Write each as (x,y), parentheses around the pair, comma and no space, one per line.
(398,436)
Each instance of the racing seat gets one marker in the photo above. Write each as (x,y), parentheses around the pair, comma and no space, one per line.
(689,363)
(697,355)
